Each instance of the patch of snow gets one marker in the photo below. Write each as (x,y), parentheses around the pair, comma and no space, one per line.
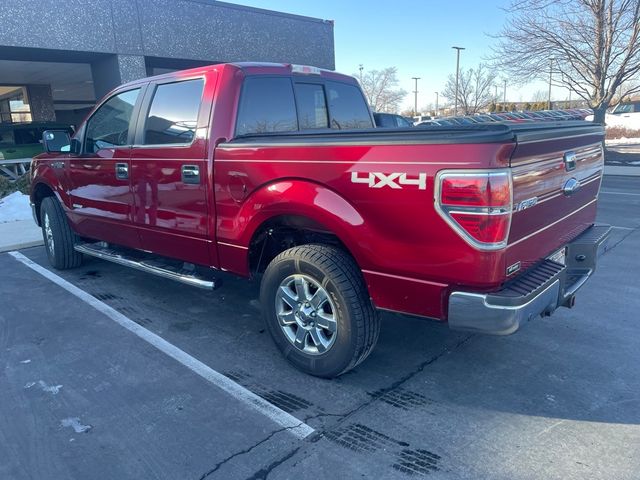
(15,207)
(53,389)
(74,422)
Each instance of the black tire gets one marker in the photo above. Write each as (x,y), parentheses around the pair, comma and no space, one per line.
(61,253)
(358,325)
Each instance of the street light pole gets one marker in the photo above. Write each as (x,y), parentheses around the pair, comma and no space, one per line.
(504,99)
(415,99)
(457,75)
(436,104)
(550,78)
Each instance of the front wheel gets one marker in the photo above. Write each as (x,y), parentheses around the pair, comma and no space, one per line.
(317,309)
(58,237)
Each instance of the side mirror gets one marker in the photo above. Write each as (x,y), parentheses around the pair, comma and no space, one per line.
(56,141)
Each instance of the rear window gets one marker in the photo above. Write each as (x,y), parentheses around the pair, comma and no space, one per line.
(266,106)
(312,107)
(173,115)
(348,107)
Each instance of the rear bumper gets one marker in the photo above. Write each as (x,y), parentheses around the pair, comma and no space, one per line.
(539,291)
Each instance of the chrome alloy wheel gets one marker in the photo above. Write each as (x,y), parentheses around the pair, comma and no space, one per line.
(306,314)
(48,234)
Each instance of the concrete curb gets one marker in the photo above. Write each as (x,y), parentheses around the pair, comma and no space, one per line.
(19,246)
(19,234)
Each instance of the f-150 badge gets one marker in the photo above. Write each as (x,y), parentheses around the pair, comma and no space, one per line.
(528,203)
(394,180)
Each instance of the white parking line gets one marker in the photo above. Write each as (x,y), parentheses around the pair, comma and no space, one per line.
(620,193)
(282,418)
(623,228)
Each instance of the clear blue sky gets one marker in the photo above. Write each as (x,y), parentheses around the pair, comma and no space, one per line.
(415,36)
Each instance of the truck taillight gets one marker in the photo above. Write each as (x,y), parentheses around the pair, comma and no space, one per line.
(477,205)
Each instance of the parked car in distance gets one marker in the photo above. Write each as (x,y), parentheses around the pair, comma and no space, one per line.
(391,120)
(24,140)
(446,122)
(460,121)
(421,118)
(276,171)
(624,115)
(482,118)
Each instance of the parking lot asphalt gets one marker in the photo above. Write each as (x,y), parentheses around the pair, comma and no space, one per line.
(82,397)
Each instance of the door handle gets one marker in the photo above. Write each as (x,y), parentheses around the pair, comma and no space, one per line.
(122,171)
(191,174)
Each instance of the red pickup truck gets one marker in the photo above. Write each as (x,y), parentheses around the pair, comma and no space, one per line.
(277,171)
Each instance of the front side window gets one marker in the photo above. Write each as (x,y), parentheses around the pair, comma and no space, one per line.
(108,127)
(173,116)
(312,107)
(266,106)
(347,106)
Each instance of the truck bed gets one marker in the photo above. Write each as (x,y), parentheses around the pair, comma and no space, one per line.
(394,229)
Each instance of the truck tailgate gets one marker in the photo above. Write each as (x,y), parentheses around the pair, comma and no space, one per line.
(556,170)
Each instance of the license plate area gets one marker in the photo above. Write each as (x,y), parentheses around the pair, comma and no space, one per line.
(559,257)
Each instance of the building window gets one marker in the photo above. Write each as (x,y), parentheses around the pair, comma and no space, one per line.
(14,105)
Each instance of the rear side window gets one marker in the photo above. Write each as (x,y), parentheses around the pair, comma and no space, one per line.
(109,125)
(266,105)
(173,116)
(347,106)
(312,107)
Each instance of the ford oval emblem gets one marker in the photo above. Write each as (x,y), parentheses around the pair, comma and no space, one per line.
(571,186)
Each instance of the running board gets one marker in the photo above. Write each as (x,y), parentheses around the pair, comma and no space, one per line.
(166,268)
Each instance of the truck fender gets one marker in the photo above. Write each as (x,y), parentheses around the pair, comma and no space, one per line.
(307,199)
(45,178)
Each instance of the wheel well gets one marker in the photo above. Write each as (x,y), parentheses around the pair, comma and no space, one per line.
(40,192)
(283,232)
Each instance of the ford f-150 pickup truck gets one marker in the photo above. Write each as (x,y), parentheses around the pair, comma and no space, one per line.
(277,171)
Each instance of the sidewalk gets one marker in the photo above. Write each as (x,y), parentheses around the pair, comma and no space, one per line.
(19,234)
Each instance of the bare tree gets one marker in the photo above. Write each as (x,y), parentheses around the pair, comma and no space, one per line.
(591,47)
(474,89)
(380,88)
(539,96)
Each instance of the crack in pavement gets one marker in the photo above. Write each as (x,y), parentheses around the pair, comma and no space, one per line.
(263,473)
(221,463)
(420,368)
(631,232)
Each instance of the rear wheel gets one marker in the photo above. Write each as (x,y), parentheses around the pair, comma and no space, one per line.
(317,309)
(58,237)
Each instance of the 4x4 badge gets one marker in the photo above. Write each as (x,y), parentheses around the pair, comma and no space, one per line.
(393,180)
